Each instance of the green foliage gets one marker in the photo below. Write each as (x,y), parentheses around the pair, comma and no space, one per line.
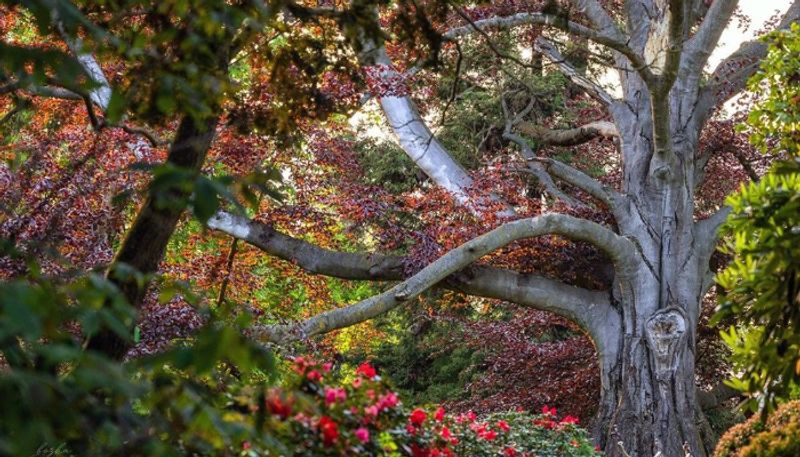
(191,400)
(762,233)
(385,164)
(779,436)
(427,367)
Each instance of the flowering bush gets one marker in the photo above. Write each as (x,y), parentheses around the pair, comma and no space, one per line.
(779,436)
(314,415)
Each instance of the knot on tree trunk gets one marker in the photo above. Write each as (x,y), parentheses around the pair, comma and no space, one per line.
(666,330)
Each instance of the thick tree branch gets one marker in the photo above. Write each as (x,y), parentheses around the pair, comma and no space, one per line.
(618,248)
(308,256)
(699,47)
(581,180)
(536,169)
(417,140)
(568,137)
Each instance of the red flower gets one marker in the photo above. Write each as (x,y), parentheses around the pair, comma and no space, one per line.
(418,416)
(314,375)
(510,451)
(548,411)
(367,370)
(503,425)
(569,420)
(439,415)
(329,430)
(445,433)
(276,406)
(489,435)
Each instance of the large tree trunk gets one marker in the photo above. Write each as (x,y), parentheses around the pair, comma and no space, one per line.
(648,405)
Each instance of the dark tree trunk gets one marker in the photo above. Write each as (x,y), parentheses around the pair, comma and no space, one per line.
(146,240)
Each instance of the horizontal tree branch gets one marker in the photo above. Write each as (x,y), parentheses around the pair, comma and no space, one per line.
(542,293)
(308,256)
(568,137)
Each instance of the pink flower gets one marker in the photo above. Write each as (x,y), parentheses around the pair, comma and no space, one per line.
(439,415)
(357,383)
(418,416)
(326,367)
(334,395)
(387,401)
(362,434)
(371,410)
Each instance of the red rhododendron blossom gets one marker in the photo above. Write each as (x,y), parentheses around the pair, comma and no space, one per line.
(569,420)
(503,425)
(545,423)
(329,430)
(488,435)
(445,432)
(418,416)
(510,452)
(278,407)
(366,370)
(439,415)
(362,434)
(548,411)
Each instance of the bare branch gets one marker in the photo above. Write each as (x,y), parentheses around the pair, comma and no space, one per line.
(618,248)
(527,153)
(582,181)
(549,50)
(568,137)
(613,42)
